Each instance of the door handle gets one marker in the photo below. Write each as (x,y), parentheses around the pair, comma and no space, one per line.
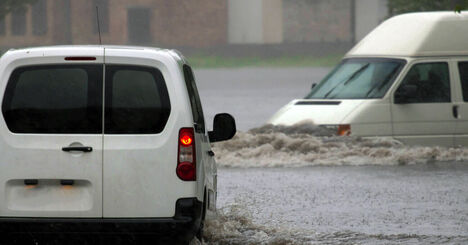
(455,111)
(78,148)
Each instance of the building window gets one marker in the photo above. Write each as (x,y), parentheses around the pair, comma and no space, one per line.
(139,26)
(2,26)
(103,6)
(18,22)
(39,18)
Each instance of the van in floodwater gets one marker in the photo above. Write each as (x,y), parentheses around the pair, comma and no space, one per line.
(104,140)
(407,79)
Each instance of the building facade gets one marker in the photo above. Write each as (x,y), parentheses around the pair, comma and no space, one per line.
(197,23)
(303,21)
(194,23)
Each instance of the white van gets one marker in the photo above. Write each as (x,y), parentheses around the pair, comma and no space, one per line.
(104,138)
(407,79)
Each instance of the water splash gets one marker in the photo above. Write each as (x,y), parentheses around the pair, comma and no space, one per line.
(234,225)
(306,144)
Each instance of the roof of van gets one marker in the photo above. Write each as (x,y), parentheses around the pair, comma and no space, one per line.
(64,48)
(417,34)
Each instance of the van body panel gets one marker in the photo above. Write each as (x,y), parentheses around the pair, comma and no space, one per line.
(320,114)
(371,118)
(206,165)
(426,140)
(42,159)
(423,119)
(460,99)
(417,34)
(39,157)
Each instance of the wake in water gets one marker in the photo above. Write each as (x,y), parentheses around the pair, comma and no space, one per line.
(306,144)
(234,225)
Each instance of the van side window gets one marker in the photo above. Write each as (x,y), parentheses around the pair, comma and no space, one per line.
(59,99)
(431,81)
(195,102)
(463,69)
(137,101)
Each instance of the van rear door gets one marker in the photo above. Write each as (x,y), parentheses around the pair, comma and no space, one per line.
(51,138)
(140,136)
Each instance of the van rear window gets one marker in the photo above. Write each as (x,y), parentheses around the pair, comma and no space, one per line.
(67,99)
(137,101)
(54,100)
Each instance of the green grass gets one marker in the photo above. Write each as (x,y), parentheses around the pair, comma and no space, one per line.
(206,61)
(211,61)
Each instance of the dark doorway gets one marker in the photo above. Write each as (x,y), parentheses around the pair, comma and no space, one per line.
(139,31)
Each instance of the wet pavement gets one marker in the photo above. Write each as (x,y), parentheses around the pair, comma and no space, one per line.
(415,204)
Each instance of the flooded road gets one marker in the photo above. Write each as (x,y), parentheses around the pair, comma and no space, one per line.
(297,186)
(414,204)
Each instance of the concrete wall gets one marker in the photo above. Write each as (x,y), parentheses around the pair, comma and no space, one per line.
(317,21)
(255,21)
(245,21)
(369,14)
(273,21)
(298,21)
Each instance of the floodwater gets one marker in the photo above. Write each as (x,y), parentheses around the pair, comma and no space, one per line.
(413,204)
(300,185)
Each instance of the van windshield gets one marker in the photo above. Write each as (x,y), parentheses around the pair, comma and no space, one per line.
(358,78)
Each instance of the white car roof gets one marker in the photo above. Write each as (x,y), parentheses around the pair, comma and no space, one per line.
(417,34)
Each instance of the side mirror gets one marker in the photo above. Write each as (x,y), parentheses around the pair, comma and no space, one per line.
(224,128)
(405,93)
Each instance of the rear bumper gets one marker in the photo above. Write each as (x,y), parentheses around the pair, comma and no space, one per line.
(185,222)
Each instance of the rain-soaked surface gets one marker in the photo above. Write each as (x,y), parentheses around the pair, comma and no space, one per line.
(414,204)
(301,185)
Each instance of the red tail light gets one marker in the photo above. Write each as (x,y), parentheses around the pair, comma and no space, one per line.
(186,161)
